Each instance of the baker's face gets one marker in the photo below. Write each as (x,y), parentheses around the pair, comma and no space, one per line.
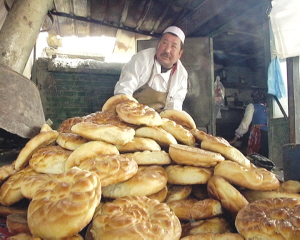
(168,50)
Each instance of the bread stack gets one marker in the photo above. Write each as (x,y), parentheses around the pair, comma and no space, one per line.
(128,172)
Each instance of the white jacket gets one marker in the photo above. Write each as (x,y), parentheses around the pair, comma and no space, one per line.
(138,71)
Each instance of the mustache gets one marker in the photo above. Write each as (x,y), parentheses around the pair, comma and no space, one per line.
(165,54)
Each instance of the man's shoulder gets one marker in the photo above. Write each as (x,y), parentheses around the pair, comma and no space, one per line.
(146,52)
(181,68)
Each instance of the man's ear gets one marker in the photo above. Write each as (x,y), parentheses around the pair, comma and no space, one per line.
(180,53)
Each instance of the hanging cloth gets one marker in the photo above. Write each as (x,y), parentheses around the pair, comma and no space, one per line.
(254,140)
(276,85)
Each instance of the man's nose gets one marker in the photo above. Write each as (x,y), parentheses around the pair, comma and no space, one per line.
(168,48)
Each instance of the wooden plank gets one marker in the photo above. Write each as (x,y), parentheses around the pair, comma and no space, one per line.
(294,98)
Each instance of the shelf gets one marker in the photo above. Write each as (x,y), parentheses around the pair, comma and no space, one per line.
(242,86)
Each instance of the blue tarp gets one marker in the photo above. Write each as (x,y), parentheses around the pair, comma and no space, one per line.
(276,85)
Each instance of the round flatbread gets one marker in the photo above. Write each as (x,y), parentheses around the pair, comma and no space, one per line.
(189,155)
(192,209)
(220,145)
(180,133)
(188,175)
(10,191)
(162,137)
(216,225)
(180,117)
(70,141)
(254,178)
(154,177)
(6,171)
(89,150)
(66,125)
(50,159)
(64,205)
(178,192)
(135,217)
(230,198)
(160,195)
(137,113)
(112,102)
(271,218)
(104,132)
(150,157)
(214,236)
(111,169)
(41,140)
(139,144)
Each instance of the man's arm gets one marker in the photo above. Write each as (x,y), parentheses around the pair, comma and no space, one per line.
(176,98)
(132,74)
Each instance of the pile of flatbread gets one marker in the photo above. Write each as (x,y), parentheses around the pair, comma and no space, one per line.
(129,172)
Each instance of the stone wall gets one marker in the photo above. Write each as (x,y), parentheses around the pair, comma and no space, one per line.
(72,89)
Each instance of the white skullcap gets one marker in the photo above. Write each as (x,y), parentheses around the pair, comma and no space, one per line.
(177,31)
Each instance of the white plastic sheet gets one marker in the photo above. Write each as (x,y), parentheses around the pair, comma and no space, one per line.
(285,23)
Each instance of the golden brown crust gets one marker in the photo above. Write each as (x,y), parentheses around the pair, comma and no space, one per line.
(271,218)
(178,192)
(179,132)
(41,140)
(192,209)
(154,177)
(187,175)
(111,169)
(231,199)
(180,117)
(201,135)
(104,132)
(150,157)
(70,141)
(162,137)
(220,145)
(112,102)
(137,113)
(23,236)
(160,195)
(33,183)
(50,159)
(10,191)
(189,155)
(66,125)
(130,218)
(45,127)
(6,171)
(139,144)
(64,205)
(214,236)
(252,195)
(254,178)
(89,150)
(211,225)
(290,186)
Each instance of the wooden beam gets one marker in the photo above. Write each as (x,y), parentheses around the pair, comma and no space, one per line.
(147,6)
(204,12)
(241,17)
(294,98)
(124,13)
(157,23)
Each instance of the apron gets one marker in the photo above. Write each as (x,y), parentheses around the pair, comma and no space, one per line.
(254,143)
(150,97)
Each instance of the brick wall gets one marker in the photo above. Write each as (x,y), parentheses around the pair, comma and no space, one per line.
(68,92)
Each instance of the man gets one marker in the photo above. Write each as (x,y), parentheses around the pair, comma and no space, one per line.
(156,76)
